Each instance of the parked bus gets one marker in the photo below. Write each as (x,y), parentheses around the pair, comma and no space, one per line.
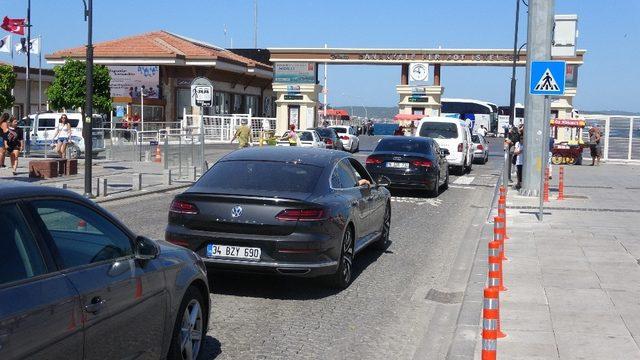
(503,117)
(485,113)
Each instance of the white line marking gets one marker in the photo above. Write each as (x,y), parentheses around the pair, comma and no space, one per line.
(464,180)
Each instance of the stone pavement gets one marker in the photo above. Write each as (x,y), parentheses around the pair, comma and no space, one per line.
(574,279)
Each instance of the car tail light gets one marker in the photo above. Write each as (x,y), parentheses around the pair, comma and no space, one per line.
(328,141)
(421,163)
(300,215)
(183,207)
(460,147)
(344,137)
(480,147)
(372,160)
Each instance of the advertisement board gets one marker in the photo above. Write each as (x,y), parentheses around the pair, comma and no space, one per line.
(128,81)
(294,73)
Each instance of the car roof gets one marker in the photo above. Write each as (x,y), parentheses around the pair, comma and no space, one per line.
(397,139)
(302,155)
(340,126)
(10,190)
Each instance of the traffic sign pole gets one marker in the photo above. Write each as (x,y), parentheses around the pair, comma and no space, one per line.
(201,97)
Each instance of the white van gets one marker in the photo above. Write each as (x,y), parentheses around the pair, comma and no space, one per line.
(453,135)
(43,128)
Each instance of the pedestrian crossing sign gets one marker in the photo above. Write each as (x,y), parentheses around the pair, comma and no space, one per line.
(547,77)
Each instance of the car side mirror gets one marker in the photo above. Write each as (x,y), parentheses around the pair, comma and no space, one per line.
(146,249)
(444,152)
(383,181)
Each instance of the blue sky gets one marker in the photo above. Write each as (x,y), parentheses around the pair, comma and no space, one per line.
(608,30)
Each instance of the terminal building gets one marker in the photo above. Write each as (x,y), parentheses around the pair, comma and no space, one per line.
(160,66)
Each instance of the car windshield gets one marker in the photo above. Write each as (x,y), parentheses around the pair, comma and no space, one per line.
(439,130)
(305,136)
(403,146)
(325,132)
(340,130)
(273,176)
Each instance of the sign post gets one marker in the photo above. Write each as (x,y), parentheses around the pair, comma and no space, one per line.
(202,96)
(547,78)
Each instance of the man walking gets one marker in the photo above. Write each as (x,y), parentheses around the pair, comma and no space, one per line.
(243,134)
(594,143)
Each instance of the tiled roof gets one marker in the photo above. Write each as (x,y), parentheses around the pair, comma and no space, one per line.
(158,44)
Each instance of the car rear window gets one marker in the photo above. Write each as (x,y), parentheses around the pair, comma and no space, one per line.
(305,136)
(325,133)
(271,176)
(439,130)
(407,145)
(340,130)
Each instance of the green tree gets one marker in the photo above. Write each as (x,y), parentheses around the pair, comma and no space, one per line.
(7,82)
(69,87)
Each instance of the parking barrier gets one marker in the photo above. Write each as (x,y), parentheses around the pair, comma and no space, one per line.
(545,190)
(490,324)
(498,234)
(495,275)
(561,183)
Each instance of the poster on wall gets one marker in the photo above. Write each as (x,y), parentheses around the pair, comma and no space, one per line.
(295,73)
(128,81)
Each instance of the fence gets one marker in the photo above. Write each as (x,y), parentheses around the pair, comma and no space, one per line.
(220,128)
(621,136)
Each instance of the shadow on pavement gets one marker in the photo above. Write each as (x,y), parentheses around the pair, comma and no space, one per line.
(211,347)
(284,287)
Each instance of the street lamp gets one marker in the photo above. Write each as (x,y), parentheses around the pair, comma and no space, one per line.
(516,55)
(87,129)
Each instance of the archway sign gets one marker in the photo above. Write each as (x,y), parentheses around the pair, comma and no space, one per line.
(419,93)
(202,96)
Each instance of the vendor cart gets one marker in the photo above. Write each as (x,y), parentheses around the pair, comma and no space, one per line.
(568,143)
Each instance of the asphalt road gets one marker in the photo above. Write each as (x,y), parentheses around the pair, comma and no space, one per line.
(384,314)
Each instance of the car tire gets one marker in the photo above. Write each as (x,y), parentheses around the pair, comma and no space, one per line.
(192,301)
(486,159)
(344,274)
(436,187)
(383,242)
(467,169)
(445,186)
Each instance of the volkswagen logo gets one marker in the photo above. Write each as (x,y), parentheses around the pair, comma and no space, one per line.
(236,211)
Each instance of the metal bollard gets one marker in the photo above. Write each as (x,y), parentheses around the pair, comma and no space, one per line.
(107,154)
(137,182)
(63,185)
(97,186)
(194,173)
(104,187)
(167,177)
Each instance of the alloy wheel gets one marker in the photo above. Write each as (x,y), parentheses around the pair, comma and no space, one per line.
(386,226)
(191,330)
(347,256)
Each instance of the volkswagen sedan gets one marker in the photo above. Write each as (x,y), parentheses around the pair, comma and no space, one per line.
(283,210)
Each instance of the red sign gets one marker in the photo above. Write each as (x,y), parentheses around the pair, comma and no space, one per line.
(15,26)
(567,122)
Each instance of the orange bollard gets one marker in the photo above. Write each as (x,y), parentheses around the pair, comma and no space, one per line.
(498,234)
(495,275)
(546,185)
(502,213)
(158,157)
(561,183)
(503,192)
(490,324)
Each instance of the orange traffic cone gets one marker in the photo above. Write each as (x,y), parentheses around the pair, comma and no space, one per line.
(158,157)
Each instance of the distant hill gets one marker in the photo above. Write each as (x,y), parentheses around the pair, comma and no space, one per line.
(376,112)
(610,112)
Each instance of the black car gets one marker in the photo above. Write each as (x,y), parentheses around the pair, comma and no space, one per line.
(410,162)
(75,283)
(330,138)
(283,210)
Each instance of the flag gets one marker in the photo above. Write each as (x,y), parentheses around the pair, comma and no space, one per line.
(21,48)
(5,44)
(15,26)
(35,46)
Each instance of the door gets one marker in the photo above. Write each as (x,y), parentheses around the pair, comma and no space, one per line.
(294,115)
(123,301)
(39,308)
(373,196)
(183,101)
(343,179)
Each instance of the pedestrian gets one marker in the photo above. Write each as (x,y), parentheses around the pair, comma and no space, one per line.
(482,131)
(243,134)
(511,138)
(594,142)
(62,136)
(551,144)
(13,143)
(518,152)
(4,127)
(291,136)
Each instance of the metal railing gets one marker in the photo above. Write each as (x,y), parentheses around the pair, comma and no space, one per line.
(621,136)
(220,128)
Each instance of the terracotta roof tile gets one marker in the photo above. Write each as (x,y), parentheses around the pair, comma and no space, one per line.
(158,44)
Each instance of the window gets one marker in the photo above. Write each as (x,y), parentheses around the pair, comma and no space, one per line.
(305,136)
(20,257)
(439,130)
(340,130)
(403,145)
(230,177)
(343,176)
(359,170)
(81,235)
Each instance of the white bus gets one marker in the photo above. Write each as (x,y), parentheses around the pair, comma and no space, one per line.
(503,117)
(485,113)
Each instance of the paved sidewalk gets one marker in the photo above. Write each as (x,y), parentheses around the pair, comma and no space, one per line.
(574,279)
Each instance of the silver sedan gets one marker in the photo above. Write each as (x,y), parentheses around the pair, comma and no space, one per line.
(480,149)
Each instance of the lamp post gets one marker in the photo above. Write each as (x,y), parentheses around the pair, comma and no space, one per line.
(87,130)
(512,95)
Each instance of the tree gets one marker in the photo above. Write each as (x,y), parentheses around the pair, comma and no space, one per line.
(7,82)
(69,87)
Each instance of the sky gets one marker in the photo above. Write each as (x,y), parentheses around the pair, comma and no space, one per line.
(608,30)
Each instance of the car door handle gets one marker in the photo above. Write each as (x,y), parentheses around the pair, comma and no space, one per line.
(96,305)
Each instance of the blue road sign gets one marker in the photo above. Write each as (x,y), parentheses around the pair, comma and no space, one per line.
(547,77)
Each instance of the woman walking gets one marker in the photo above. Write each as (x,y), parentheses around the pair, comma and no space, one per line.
(62,136)
(14,143)
(291,135)
(4,127)
(519,154)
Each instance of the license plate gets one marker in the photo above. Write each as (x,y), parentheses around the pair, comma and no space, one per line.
(398,165)
(233,252)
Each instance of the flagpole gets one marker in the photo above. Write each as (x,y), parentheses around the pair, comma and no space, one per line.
(13,68)
(28,80)
(39,72)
